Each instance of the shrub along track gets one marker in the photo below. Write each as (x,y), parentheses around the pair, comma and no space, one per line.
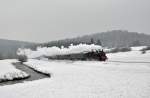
(34,75)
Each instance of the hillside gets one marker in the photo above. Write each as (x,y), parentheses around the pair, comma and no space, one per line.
(115,38)
(8,48)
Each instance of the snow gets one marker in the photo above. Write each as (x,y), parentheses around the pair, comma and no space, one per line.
(9,72)
(138,48)
(51,51)
(33,64)
(88,79)
(132,56)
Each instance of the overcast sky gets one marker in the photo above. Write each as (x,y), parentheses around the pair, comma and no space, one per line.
(46,20)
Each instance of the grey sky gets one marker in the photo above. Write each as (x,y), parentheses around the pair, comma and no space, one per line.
(46,20)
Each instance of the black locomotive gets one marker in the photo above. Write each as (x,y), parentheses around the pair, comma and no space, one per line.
(99,55)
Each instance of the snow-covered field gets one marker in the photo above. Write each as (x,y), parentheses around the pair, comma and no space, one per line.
(52,51)
(88,79)
(9,72)
(132,56)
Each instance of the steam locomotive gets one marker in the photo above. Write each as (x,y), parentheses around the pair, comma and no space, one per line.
(99,55)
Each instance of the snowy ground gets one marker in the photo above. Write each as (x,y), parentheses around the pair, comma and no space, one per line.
(9,72)
(132,56)
(88,79)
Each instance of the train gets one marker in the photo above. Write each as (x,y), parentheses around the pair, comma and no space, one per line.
(98,55)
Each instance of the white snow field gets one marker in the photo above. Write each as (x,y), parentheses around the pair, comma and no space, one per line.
(132,56)
(88,79)
(9,72)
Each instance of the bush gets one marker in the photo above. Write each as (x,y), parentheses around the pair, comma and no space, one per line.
(22,58)
(146,48)
(143,51)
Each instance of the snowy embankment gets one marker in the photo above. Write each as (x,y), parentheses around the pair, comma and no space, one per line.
(9,72)
(33,65)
